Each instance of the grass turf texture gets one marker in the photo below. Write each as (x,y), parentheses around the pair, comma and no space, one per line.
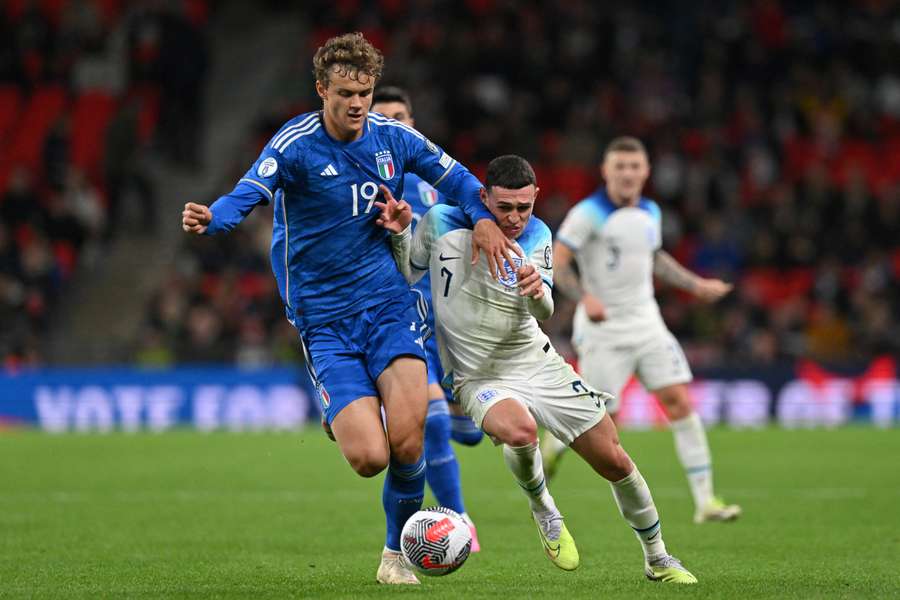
(281,515)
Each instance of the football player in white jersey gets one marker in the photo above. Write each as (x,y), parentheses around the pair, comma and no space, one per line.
(614,236)
(505,372)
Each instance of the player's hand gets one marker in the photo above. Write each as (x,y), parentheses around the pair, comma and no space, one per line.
(594,308)
(530,282)
(488,237)
(195,218)
(710,290)
(396,215)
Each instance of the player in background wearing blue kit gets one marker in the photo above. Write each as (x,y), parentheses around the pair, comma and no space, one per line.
(441,466)
(356,315)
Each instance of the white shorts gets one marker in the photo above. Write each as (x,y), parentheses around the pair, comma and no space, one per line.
(555,394)
(607,362)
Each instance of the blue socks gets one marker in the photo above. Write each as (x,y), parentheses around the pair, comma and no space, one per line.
(404,487)
(464,431)
(442,470)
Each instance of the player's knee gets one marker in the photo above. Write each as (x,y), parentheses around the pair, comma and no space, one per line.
(407,450)
(522,433)
(621,467)
(368,463)
(676,402)
(618,464)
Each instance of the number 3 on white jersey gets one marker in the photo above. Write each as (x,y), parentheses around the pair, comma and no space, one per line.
(368,191)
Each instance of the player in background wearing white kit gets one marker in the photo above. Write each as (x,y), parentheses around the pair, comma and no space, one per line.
(614,235)
(505,372)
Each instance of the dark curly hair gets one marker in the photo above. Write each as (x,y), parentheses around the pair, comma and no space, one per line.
(352,54)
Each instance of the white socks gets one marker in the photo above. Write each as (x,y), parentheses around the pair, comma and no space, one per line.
(526,467)
(636,505)
(693,452)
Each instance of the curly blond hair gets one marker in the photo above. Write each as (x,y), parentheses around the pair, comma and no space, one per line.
(352,54)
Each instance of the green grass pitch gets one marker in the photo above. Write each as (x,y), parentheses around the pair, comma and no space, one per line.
(281,515)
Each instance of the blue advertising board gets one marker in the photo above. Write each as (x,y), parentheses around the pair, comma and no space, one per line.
(127,399)
(226,398)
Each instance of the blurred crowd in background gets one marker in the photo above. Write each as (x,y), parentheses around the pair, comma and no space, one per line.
(88,88)
(773,129)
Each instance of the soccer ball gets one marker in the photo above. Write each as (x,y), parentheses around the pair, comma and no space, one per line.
(435,541)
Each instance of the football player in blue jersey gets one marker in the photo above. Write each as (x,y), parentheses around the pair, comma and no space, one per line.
(358,321)
(441,467)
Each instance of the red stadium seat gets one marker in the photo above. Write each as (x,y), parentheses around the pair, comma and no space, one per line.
(90,117)
(774,287)
(10,105)
(14,9)
(854,155)
(110,9)
(53,10)
(44,107)
(149,117)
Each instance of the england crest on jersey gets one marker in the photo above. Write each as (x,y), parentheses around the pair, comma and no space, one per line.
(385,163)
(508,276)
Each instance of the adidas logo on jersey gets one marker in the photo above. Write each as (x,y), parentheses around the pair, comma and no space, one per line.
(329,171)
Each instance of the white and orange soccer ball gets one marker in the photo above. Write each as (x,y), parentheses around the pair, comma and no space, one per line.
(435,541)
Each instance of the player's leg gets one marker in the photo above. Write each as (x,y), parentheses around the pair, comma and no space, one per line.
(395,360)
(664,370)
(359,434)
(693,452)
(402,389)
(351,411)
(463,429)
(509,421)
(441,466)
(604,365)
(600,448)
(347,396)
(576,414)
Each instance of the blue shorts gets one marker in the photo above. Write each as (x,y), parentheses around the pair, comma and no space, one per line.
(433,359)
(346,357)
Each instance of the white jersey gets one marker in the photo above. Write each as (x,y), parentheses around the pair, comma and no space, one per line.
(484,328)
(614,248)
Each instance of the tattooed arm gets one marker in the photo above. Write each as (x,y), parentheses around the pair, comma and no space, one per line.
(564,276)
(668,270)
(566,281)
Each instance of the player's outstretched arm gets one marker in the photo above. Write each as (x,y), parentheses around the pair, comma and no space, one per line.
(667,268)
(195,218)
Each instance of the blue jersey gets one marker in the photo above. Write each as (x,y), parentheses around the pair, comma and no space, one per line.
(329,257)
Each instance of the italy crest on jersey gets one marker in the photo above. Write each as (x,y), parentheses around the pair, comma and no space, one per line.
(385,163)
(427,194)
(508,276)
